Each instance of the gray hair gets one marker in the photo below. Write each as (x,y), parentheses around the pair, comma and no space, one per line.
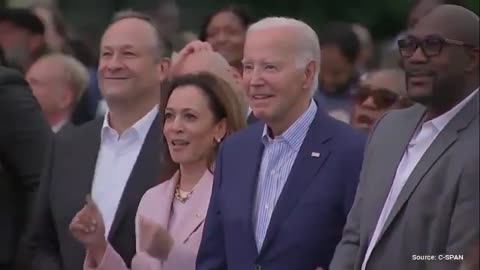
(307,40)
(161,47)
(75,74)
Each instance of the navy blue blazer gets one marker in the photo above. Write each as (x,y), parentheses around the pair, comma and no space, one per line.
(307,221)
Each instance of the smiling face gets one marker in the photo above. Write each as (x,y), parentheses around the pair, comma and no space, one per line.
(226,34)
(191,128)
(277,85)
(434,67)
(129,66)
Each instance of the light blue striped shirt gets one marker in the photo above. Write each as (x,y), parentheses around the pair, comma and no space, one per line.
(277,161)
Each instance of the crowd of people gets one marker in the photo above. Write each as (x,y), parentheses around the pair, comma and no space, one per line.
(259,144)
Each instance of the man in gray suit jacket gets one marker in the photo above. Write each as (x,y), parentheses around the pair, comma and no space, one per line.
(418,197)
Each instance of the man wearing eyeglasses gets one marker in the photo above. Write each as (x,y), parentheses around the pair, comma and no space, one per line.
(379,92)
(417,204)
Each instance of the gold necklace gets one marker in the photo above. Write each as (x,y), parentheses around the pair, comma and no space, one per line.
(181,195)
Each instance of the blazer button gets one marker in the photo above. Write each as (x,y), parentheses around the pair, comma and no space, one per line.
(258,267)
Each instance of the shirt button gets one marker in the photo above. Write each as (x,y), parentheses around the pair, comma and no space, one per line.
(272,172)
(266,206)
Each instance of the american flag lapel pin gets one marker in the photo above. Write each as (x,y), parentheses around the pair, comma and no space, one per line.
(315,154)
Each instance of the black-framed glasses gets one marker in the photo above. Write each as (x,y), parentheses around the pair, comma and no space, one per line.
(431,45)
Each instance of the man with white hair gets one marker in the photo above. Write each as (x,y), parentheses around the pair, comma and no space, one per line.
(58,82)
(284,205)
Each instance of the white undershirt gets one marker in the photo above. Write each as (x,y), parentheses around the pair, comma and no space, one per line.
(58,126)
(116,158)
(417,147)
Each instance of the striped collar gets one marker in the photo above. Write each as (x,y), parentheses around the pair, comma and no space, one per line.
(297,132)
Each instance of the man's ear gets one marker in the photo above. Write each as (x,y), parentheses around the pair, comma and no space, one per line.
(474,60)
(309,75)
(164,68)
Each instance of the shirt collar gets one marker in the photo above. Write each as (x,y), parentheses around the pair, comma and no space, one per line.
(141,127)
(297,132)
(441,121)
(58,126)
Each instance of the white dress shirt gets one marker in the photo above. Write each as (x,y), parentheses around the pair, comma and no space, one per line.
(116,158)
(58,126)
(420,142)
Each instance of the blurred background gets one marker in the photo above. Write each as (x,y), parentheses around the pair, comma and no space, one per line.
(384,18)
(357,37)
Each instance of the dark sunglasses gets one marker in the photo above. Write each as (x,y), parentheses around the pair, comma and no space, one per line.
(431,45)
(383,98)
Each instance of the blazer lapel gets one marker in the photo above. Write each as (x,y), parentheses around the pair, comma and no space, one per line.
(305,167)
(197,208)
(387,162)
(158,209)
(144,175)
(87,154)
(441,144)
(164,204)
(247,179)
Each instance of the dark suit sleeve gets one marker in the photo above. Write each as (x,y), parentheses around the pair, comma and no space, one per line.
(42,238)
(211,255)
(25,137)
(347,250)
(464,227)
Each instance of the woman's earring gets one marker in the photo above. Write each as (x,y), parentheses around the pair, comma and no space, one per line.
(217,140)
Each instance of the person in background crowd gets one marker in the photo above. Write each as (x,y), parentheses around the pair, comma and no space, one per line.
(25,139)
(55,29)
(418,193)
(265,212)
(58,82)
(198,56)
(115,159)
(167,20)
(22,37)
(367,49)
(339,54)
(225,30)
(89,107)
(60,40)
(379,92)
(198,112)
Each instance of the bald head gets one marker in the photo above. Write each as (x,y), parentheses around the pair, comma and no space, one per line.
(453,22)
(208,61)
(212,62)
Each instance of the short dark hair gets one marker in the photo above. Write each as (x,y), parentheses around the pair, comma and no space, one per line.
(242,12)
(23,18)
(163,48)
(341,34)
(223,102)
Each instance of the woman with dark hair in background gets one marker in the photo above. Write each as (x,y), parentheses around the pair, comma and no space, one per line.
(225,30)
(198,112)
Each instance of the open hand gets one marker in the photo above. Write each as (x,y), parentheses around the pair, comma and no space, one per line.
(154,238)
(191,48)
(87,226)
